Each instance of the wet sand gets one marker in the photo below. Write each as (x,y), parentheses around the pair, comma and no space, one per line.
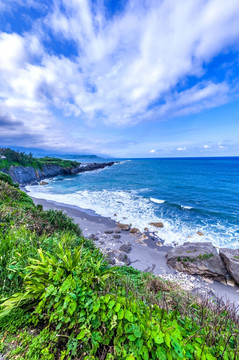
(145,255)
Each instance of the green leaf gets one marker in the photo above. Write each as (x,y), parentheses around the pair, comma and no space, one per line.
(120,314)
(161,353)
(117,307)
(145,353)
(178,348)
(129,316)
(137,331)
(96,306)
(167,340)
(210,357)
(132,337)
(159,338)
(111,304)
(81,334)
(72,307)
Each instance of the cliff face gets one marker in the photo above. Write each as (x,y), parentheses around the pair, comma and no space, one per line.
(29,175)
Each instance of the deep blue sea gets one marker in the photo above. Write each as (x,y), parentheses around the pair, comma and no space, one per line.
(186,194)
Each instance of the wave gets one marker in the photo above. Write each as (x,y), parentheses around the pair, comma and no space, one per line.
(186,207)
(121,162)
(157,201)
(131,208)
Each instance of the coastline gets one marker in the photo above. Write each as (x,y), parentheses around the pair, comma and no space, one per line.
(144,255)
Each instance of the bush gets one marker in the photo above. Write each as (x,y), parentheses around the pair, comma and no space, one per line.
(7,179)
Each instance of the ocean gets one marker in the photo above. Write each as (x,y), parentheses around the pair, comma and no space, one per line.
(186,194)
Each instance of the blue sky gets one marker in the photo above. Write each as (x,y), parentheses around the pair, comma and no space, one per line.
(122,78)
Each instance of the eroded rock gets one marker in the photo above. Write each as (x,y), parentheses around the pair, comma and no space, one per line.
(43,182)
(157,224)
(230,258)
(124,227)
(197,259)
(134,231)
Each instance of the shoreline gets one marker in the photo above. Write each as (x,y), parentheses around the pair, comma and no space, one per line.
(144,255)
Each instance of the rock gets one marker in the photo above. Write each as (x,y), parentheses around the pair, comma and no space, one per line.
(231,282)
(116,236)
(115,214)
(93,237)
(200,233)
(140,241)
(27,175)
(157,224)
(197,259)
(32,183)
(230,258)
(126,247)
(207,280)
(123,258)
(134,231)
(109,231)
(146,229)
(124,227)
(158,243)
(110,257)
(43,182)
(117,231)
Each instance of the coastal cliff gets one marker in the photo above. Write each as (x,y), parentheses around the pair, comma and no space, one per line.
(30,175)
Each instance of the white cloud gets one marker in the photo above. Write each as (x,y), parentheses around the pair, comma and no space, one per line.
(181,149)
(206,146)
(152,151)
(124,64)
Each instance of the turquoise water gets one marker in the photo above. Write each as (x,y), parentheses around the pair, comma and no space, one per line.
(186,194)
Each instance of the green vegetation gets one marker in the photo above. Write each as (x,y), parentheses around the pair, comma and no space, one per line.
(191,259)
(61,300)
(17,158)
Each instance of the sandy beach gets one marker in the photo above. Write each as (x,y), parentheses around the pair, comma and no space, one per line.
(144,255)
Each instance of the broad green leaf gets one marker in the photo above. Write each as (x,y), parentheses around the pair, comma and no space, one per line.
(111,304)
(159,338)
(81,334)
(167,340)
(161,353)
(121,314)
(129,316)
(117,307)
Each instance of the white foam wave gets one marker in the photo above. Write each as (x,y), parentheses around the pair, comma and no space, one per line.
(130,208)
(186,207)
(157,201)
(121,162)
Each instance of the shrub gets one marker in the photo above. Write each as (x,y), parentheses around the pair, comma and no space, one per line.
(7,179)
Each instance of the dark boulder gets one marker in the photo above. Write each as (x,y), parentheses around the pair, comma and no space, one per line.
(123,258)
(126,247)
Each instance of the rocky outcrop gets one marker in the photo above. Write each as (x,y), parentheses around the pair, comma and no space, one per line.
(29,175)
(230,258)
(197,259)
(157,224)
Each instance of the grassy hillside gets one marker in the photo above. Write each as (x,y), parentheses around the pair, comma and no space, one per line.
(17,158)
(61,300)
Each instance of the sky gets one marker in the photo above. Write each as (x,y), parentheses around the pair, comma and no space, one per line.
(134,78)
